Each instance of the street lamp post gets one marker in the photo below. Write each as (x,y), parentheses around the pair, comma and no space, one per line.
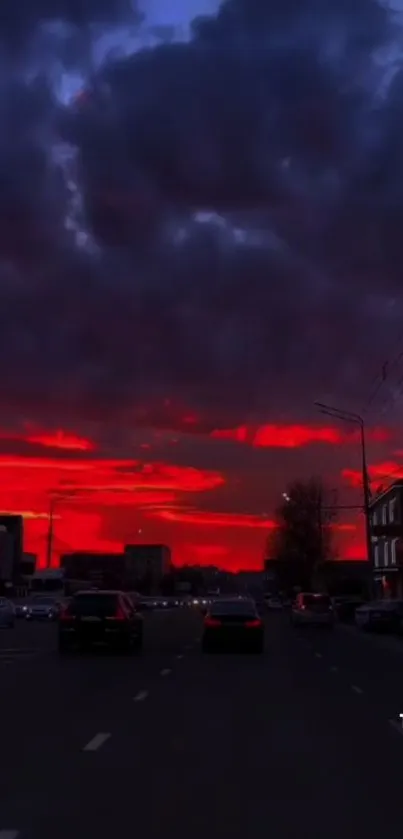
(55,496)
(356,419)
(49,541)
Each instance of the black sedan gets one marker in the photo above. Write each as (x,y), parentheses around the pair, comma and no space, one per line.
(100,618)
(233,624)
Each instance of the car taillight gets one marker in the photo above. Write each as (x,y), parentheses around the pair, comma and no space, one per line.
(253,624)
(302,607)
(119,615)
(212,622)
(65,614)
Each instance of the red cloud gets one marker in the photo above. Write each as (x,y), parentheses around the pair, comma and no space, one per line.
(216,519)
(50,439)
(294,436)
(94,497)
(60,440)
(103,474)
(378,473)
(200,517)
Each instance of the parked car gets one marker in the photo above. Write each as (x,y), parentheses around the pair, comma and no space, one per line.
(380,616)
(345,607)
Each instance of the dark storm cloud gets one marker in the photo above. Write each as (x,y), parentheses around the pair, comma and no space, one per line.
(276,121)
(19,20)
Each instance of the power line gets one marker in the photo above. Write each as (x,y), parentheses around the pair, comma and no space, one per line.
(389,366)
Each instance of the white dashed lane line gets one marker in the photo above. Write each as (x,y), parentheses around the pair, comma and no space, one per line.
(140,697)
(334,669)
(166,672)
(9,834)
(356,689)
(96,743)
(180,655)
(318,655)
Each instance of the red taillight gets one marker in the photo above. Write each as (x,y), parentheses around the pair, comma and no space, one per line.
(253,624)
(65,614)
(302,607)
(212,622)
(120,615)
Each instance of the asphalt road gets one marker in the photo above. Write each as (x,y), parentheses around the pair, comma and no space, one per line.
(306,737)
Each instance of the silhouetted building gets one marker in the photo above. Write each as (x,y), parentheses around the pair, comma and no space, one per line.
(11,547)
(147,565)
(103,570)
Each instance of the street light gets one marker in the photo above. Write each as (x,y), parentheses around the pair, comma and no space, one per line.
(55,496)
(356,419)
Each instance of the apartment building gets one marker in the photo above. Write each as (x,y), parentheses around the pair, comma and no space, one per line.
(386,511)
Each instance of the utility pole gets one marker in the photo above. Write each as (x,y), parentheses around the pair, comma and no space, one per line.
(356,419)
(49,541)
(320,527)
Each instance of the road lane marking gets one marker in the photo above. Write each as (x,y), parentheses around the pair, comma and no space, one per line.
(166,672)
(140,696)
(396,725)
(180,655)
(319,655)
(96,743)
(334,669)
(9,834)
(356,689)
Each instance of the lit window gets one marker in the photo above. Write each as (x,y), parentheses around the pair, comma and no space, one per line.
(384,514)
(393,552)
(375,518)
(376,556)
(392,508)
(386,554)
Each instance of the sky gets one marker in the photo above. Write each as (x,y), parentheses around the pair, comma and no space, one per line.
(201,212)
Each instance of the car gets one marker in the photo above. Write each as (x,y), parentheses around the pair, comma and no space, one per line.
(273,603)
(21,609)
(312,609)
(380,616)
(7,613)
(42,607)
(345,607)
(233,624)
(100,618)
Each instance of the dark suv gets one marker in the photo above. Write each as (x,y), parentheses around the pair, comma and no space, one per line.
(100,618)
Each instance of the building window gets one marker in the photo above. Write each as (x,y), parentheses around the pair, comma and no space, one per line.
(386,554)
(384,514)
(393,552)
(375,518)
(392,509)
(376,556)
